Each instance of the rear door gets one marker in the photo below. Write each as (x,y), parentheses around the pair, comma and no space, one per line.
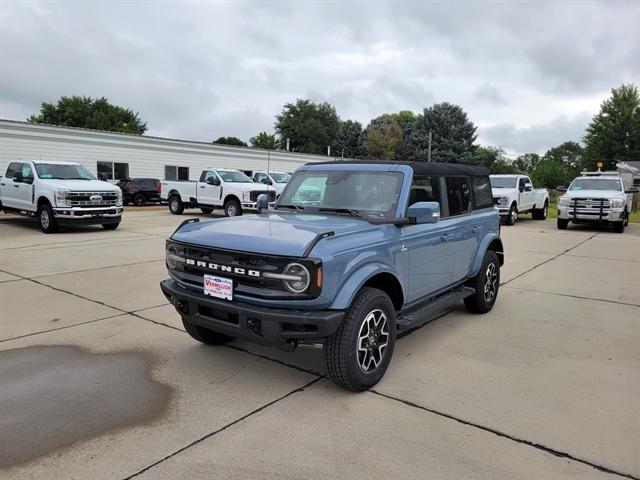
(209,194)
(8,188)
(465,234)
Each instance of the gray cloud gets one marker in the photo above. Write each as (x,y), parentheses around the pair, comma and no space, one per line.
(203,70)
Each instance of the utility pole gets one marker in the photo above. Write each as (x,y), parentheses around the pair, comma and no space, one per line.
(342,154)
(287,144)
(429,150)
(328,150)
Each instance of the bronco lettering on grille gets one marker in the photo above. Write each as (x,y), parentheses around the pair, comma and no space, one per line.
(222,268)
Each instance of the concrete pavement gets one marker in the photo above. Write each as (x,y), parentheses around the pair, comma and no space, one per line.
(544,386)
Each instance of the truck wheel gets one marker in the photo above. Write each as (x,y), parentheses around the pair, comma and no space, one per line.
(563,224)
(48,222)
(486,283)
(618,227)
(139,200)
(232,208)
(512,217)
(175,205)
(206,211)
(540,213)
(626,218)
(110,226)
(205,335)
(358,353)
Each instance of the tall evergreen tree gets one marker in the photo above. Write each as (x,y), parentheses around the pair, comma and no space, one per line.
(309,126)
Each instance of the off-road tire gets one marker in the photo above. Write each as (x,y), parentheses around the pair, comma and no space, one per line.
(341,349)
(512,216)
(489,273)
(232,208)
(176,206)
(540,213)
(562,224)
(110,226)
(205,335)
(618,227)
(139,200)
(206,211)
(46,219)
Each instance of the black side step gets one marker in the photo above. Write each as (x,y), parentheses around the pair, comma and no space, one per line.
(423,314)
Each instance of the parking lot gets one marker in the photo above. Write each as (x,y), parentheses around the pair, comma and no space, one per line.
(99,379)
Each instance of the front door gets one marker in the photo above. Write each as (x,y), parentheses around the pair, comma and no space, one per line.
(209,194)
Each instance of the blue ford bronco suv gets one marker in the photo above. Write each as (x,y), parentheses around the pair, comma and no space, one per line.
(351,254)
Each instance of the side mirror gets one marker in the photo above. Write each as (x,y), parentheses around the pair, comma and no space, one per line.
(424,212)
(17,177)
(632,190)
(213,181)
(28,180)
(528,188)
(561,189)
(262,203)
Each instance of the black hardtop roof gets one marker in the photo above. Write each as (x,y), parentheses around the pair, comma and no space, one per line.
(421,168)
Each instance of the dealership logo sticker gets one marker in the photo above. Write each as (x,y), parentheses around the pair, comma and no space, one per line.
(218,287)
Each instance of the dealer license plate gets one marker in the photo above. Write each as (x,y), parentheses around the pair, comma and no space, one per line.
(218,287)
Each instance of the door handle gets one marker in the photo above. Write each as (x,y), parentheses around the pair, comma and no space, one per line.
(2,184)
(201,186)
(16,186)
(447,238)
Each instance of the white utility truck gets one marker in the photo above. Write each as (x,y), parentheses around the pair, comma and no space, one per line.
(59,193)
(277,180)
(223,188)
(514,194)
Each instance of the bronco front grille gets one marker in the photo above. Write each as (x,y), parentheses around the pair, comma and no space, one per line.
(90,199)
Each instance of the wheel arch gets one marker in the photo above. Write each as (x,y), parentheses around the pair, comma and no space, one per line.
(43,200)
(231,196)
(376,275)
(490,242)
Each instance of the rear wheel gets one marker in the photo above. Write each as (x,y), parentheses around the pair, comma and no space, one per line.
(486,284)
(512,217)
(47,221)
(139,200)
(205,335)
(562,224)
(358,353)
(540,213)
(232,208)
(206,211)
(175,205)
(110,226)
(618,227)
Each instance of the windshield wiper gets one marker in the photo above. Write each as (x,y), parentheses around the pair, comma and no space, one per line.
(75,178)
(293,207)
(353,213)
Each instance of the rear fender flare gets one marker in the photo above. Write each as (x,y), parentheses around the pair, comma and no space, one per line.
(482,250)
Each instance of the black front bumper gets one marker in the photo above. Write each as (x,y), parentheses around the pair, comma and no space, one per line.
(88,220)
(263,325)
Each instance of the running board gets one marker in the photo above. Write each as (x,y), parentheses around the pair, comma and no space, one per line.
(423,314)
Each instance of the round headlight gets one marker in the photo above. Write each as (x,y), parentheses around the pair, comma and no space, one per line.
(300,278)
(172,256)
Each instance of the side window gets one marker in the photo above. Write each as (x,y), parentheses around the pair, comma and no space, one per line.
(106,169)
(482,196)
(521,183)
(424,188)
(260,177)
(458,195)
(206,175)
(26,171)
(12,169)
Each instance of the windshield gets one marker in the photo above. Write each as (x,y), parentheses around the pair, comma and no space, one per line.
(280,177)
(369,194)
(503,182)
(63,172)
(596,184)
(233,176)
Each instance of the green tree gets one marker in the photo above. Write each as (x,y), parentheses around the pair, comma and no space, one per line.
(265,140)
(87,112)
(233,141)
(568,153)
(614,133)
(525,164)
(348,143)
(494,158)
(550,173)
(383,139)
(309,126)
(453,135)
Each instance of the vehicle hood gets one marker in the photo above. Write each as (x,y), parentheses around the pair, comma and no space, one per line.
(252,186)
(503,192)
(83,185)
(273,234)
(593,194)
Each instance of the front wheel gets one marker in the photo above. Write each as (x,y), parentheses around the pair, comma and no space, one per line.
(48,222)
(110,226)
(232,208)
(512,217)
(562,224)
(358,353)
(176,206)
(486,284)
(204,335)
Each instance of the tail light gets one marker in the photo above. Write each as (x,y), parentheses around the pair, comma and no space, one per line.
(158,186)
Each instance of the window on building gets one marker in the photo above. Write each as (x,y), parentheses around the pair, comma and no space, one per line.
(482,195)
(173,172)
(458,195)
(113,170)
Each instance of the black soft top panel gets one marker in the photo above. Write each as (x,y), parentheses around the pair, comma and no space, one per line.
(422,168)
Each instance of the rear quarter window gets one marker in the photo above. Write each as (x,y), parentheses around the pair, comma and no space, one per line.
(482,196)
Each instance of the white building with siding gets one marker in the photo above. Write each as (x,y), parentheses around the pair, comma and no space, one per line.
(128,156)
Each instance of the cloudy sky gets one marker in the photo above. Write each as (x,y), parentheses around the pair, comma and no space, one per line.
(530,75)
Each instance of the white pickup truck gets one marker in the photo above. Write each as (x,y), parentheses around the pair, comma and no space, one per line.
(223,188)
(59,193)
(514,194)
(277,180)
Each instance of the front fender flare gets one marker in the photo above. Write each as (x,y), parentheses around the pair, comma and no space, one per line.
(356,280)
(482,250)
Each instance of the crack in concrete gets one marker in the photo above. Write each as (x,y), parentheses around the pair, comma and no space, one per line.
(513,438)
(573,296)
(223,428)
